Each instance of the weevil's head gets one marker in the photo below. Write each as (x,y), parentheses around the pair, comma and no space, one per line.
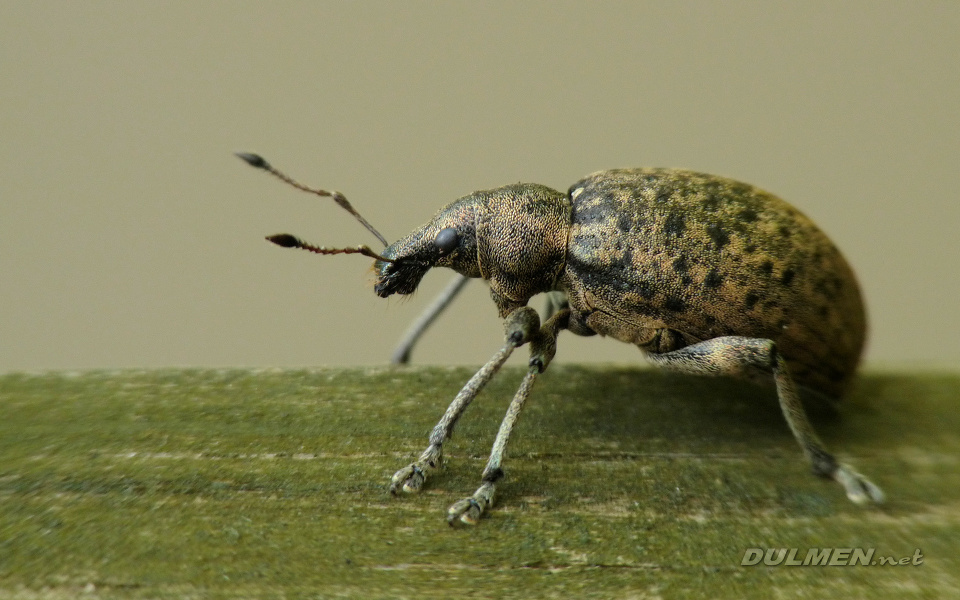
(514,236)
(448,240)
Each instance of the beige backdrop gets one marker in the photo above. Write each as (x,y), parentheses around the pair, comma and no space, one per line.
(130,236)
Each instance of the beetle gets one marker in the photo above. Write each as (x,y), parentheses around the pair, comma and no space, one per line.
(704,274)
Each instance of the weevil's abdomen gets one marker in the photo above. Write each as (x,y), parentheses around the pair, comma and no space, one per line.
(707,256)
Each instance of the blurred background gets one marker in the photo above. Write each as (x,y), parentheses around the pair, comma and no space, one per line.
(130,236)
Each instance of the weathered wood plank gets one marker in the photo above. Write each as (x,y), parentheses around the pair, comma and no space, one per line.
(620,483)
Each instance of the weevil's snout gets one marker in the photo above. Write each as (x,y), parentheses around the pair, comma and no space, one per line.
(399,277)
(412,257)
(448,240)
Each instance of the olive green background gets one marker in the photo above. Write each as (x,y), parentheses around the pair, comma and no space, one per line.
(129,235)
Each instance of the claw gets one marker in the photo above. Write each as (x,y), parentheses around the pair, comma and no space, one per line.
(408,480)
(860,490)
(466,511)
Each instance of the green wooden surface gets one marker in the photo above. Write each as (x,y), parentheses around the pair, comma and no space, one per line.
(621,483)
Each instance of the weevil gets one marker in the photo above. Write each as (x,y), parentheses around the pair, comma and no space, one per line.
(704,274)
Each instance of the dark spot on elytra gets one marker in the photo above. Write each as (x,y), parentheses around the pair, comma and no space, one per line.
(682,268)
(766,267)
(713,192)
(624,262)
(664,195)
(713,279)
(675,224)
(680,265)
(785,231)
(718,234)
(786,278)
(588,213)
(741,190)
(624,222)
(587,240)
(646,289)
(750,248)
(747,215)
(738,227)
(824,287)
(591,279)
(674,303)
(751,299)
(711,202)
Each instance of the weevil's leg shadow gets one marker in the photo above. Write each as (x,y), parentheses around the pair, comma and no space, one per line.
(739,356)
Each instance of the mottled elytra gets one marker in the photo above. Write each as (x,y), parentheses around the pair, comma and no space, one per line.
(706,275)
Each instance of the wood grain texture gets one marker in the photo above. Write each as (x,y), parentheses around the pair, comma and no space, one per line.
(620,483)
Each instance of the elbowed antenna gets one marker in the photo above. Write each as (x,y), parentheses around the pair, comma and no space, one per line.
(286,240)
(255,160)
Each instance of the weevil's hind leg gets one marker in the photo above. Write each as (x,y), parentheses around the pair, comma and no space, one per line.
(859,489)
(401,355)
(520,326)
(542,350)
(739,356)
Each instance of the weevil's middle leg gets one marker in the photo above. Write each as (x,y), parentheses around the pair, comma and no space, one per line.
(520,326)
(542,350)
(742,356)
(554,303)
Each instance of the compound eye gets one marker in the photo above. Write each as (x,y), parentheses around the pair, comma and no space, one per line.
(446,241)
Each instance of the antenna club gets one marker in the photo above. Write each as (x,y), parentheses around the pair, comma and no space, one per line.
(254,160)
(285,240)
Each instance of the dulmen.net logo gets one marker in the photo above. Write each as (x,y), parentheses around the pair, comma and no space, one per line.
(825,557)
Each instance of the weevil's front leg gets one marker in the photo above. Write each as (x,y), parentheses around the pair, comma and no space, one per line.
(542,350)
(519,326)
(740,356)
(401,355)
